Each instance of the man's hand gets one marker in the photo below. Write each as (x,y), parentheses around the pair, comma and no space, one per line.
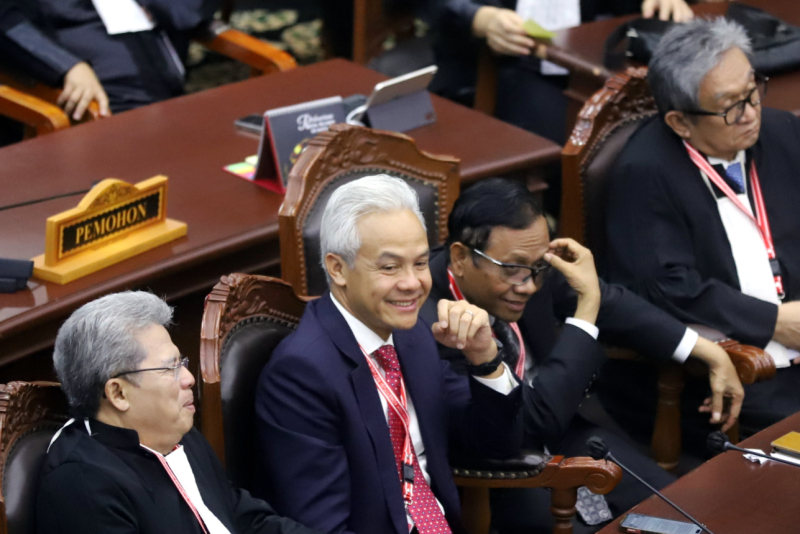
(677,9)
(787,328)
(466,327)
(81,86)
(576,263)
(502,29)
(726,389)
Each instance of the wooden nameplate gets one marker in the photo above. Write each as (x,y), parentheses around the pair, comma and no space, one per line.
(114,221)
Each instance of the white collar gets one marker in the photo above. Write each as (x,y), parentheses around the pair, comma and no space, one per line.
(739,158)
(365,337)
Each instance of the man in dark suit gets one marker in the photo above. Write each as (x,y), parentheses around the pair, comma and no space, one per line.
(499,258)
(67,43)
(528,94)
(356,412)
(685,227)
(131,460)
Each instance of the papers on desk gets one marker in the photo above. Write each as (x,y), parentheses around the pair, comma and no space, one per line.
(123,16)
(786,457)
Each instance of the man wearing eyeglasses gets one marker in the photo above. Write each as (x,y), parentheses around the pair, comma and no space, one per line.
(703,210)
(130,461)
(499,257)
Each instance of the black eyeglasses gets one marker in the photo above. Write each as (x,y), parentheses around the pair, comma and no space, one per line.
(734,113)
(514,273)
(184,362)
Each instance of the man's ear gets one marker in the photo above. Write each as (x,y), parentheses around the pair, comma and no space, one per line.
(116,393)
(337,269)
(679,124)
(459,255)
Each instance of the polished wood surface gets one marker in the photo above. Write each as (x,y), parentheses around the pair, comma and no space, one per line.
(585,43)
(732,495)
(233,224)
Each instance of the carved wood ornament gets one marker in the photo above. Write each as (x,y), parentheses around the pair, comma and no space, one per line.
(344,149)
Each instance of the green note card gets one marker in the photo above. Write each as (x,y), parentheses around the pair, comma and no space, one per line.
(537,32)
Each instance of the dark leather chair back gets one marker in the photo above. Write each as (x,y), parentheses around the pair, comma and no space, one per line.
(32,413)
(245,352)
(604,125)
(245,318)
(341,155)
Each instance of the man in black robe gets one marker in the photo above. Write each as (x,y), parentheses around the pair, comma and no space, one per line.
(689,240)
(131,461)
(500,222)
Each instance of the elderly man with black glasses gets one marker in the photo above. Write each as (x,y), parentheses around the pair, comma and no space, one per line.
(130,461)
(702,213)
(499,257)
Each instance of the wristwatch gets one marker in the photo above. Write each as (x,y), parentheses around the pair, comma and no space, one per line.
(486,368)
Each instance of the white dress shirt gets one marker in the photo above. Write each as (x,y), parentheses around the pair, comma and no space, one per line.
(370,342)
(749,252)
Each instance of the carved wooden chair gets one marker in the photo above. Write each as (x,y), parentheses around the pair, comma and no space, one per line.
(30,413)
(245,318)
(32,103)
(604,125)
(343,154)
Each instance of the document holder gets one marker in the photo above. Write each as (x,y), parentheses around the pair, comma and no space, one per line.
(403,113)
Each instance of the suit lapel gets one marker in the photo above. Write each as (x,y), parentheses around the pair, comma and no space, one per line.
(369,404)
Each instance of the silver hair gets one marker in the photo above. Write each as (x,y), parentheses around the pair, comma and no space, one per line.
(349,203)
(99,340)
(686,54)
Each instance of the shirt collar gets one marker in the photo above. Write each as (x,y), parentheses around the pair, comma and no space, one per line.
(740,158)
(369,340)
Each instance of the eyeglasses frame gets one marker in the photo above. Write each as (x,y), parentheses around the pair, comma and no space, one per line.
(183,362)
(535,273)
(760,78)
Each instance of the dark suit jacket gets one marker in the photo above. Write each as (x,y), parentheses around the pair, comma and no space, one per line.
(567,360)
(326,451)
(457,50)
(108,484)
(44,39)
(666,240)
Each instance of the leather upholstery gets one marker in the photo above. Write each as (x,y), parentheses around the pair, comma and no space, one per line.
(596,180)
(246,351)
(428,201)
(21,475)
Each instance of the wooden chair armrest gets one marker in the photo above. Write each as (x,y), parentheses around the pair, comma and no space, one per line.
(752,364)
(263,58)
(556,472)
(35,112)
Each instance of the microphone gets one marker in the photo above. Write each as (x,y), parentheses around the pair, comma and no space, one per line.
(598,450)
(718,442)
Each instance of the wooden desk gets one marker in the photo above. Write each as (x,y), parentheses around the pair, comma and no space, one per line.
(586,41)
(731,495)
(233,224)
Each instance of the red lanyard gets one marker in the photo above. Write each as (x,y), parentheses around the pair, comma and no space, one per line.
(179,486)
(520,369)
(399,407)
(761,220)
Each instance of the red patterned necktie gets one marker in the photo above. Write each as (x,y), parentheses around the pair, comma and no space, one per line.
(424,509)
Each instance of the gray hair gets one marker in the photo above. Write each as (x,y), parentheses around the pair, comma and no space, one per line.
(99,340)
(686,54)
(372,194)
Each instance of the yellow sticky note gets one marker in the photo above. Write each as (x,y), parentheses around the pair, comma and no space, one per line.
(537,32)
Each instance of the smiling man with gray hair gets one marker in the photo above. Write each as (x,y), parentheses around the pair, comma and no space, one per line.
(130,461)
(356,412)
(702,212)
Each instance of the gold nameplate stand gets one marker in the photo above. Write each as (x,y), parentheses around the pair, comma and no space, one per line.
(114,221)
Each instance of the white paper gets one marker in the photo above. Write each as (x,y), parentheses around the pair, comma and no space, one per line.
(123,16)
(551,15)
(755,459)
(786,457)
